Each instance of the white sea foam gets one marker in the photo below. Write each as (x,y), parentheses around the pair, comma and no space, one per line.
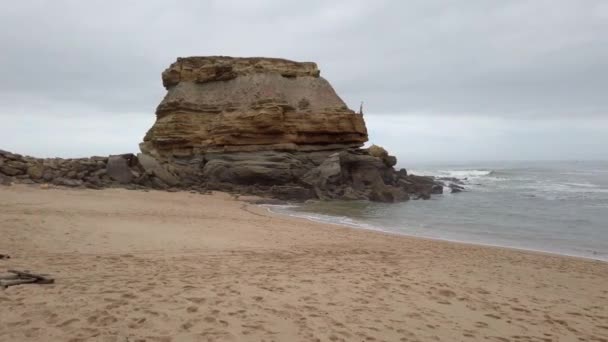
(461,174)
(466,173)
(569,188)
(581,185)
(315,217)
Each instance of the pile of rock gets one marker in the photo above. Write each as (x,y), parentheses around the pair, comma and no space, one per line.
(351,175)
(126,170)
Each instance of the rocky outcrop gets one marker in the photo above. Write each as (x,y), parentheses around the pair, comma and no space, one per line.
(272,127)
(125,170)
(261,126)
(225,104)
(347,174)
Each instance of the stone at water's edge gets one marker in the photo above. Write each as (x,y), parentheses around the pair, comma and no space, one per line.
(262,126)
(5,180)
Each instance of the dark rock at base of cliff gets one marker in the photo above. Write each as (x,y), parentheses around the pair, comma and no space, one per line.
(67,182)
(5,180)
(454,188)
(118,168)
(153,168)
(291,192)
(9,169)
(351,174)
(437,189)
(35,171)
(388,194)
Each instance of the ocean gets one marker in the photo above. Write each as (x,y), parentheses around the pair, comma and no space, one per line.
(555,207)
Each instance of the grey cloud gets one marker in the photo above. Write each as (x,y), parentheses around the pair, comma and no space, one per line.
(489,57)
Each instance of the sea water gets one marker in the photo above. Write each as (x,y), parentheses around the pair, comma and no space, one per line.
(556,207)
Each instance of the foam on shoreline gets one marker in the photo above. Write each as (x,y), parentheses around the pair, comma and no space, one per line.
(344,221)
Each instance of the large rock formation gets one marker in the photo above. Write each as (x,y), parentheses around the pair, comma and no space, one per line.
(224,104)
(269,126)
(263,126)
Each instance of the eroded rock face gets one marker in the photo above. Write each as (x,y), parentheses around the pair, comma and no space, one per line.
(224,104)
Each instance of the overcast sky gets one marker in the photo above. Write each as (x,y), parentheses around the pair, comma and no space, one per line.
(441,80)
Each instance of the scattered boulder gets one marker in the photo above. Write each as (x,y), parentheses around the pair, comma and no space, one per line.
(157,183)
(118,169)
(5,180)
(455,188)
(35,171)
(381,153)
(49,175)
(377,151)
(153,168)
(67,182)
(390,161)
(9,170)
(437,189)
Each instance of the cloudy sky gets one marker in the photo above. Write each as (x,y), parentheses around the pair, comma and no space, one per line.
(441,80)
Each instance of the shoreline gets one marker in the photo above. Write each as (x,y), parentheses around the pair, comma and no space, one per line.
(162,266)
(371,228)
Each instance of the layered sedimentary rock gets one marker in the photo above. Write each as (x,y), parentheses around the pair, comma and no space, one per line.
(262,126)
(224,104)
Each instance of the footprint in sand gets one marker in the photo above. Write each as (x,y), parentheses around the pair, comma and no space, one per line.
(447,293)
(129,296)
(196,300)
(107,320)
(137,322)
(68,322)
(52,318)
(468,335)
(481,324)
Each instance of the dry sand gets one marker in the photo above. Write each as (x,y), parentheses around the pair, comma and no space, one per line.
(157,266)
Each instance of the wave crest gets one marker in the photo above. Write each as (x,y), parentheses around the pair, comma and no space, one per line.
(467,173)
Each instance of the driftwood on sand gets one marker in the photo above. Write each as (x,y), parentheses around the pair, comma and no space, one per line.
(23,277)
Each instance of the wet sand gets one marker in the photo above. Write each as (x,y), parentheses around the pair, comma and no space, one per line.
(159,266)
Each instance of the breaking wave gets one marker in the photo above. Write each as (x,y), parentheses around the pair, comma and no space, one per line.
(460,174)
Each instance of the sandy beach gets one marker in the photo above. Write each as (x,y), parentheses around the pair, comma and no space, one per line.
(160,266)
